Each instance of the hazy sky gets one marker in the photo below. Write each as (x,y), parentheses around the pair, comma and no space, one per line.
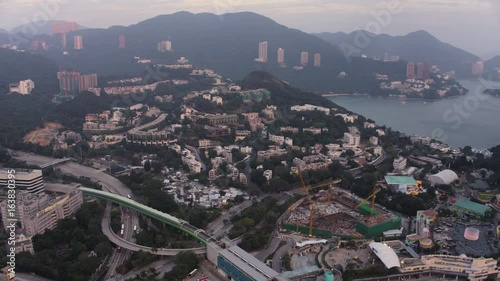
(473,25)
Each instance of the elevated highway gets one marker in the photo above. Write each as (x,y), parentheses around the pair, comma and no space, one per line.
(184,226)
(114,238)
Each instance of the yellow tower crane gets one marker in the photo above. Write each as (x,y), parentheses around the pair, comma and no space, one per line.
(306,189)
(372,197)
(329,183)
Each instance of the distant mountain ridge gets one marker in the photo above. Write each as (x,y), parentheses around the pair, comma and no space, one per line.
(226,43)
(39,28)
(416,46)
(492,63)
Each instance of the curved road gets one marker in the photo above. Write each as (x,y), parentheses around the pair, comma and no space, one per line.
(107,181)
(278,255)
(114,238)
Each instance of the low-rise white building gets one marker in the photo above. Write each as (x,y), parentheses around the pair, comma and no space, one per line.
(399,163)
(277,139)
(374,140)
(309,107)
(23,87)
(352,139)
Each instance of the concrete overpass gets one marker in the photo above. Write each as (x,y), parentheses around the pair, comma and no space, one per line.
(184,226)
(55,162)
(114,238)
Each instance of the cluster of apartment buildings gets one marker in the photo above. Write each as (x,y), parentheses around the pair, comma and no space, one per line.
(312,162)
(164,99)
(62,139)
(106,121)
(213,98)
(186,191)
(280,59)
(35,210)
(71,82)
(164,46)
(125,81)
(123,90)
(423,70)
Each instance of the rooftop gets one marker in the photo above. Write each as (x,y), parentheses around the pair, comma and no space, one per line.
(386,254)
(400,180)
(248,263)
(300,272)
(471,206)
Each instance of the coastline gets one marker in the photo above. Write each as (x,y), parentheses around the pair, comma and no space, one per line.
(390,98)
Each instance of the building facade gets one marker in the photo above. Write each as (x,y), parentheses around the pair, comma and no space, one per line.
(281,55)
(78,42)
(317,60)
(222,119)
(121,42)
(25,180)
(304,58)
(477,269)
(410,70)
(478,67)
(262,52)
(164,46)
(38,212)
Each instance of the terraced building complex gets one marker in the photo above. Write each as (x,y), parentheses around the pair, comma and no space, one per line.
(28,180)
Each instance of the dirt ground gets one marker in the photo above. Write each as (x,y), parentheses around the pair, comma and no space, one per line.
(43,136)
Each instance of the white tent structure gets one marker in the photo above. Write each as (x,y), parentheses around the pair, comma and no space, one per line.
(443,177)
(386,254)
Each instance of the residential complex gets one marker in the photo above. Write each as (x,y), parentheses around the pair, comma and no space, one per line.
(222,119)
(399,163)
(74,82)
(304,58)
(410,70)
(262,52)
(38,212)
(64,41)
(78,42)
(164,46)
(478,67)
(423,70)
(121,42)
(317,60)
(281,55)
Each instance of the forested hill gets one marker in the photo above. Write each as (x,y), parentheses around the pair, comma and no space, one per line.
(16,66)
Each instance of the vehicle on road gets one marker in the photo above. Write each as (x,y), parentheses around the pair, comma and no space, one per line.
(192,273)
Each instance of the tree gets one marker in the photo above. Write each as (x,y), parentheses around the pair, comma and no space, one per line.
(147,166)
(467,150)
(257,177)
(239,199)
(350,153)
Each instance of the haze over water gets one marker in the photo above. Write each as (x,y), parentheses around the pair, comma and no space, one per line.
(480,128)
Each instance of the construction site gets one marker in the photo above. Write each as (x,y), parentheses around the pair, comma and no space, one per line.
(339,213)
(43,136)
